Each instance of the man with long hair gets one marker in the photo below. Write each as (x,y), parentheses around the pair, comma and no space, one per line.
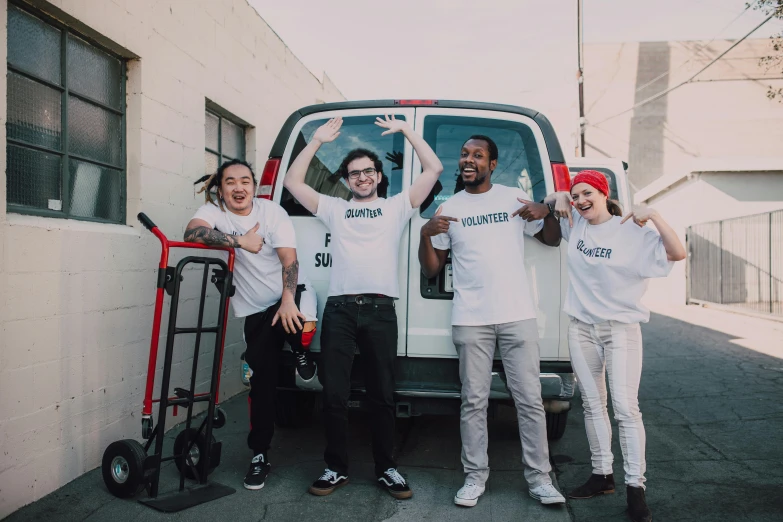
(267,282)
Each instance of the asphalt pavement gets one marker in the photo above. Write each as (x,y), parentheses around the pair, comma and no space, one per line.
(711,403)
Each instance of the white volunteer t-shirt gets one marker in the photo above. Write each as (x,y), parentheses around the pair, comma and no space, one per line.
(608,268)
(365,243)
(487,255)
(258,277)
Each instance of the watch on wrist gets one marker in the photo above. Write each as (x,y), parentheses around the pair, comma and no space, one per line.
(551,208)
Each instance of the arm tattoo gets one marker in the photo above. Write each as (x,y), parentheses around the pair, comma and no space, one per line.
(291,277)
(211,237)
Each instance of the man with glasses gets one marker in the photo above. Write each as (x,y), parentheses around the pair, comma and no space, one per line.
(360,312)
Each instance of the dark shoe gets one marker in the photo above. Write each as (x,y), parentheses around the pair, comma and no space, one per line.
(327,483)
(637,505)
(393,482)
(256,475)
(595,485)
(304,366)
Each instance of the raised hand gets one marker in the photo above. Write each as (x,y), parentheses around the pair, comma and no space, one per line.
(438,224)
(329,131)
(391,124)
(563,202)
(251,241)
(396,158)
(641,215)
(531,211)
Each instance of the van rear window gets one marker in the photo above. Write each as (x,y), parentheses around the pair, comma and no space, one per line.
(356,132)
(519,160)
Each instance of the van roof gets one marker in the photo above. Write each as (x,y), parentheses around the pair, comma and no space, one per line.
(550,138)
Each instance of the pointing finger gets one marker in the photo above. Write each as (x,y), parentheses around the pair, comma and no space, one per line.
(523,201)
(440,209)
(449,218)
(626,218)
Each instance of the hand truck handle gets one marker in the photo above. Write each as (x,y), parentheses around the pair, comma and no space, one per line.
(147,222)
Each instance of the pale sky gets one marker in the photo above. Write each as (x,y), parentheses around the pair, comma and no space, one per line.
(521,52)
(374,49)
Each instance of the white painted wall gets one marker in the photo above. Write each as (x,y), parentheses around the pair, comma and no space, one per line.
(707,197)
(76,298)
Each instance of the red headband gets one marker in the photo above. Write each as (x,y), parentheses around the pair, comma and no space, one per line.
(592,178)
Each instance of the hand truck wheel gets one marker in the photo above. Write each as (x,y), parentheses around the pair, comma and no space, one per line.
(220,418)
(123,468)
(194,461)
(146,427)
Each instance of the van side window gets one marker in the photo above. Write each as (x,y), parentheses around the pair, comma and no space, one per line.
(519,161)
(606,172)
(356,132)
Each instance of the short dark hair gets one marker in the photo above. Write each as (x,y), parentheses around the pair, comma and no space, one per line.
(493,148)
(212,181)
(356,154)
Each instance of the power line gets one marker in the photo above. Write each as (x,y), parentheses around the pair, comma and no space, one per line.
(667,91)
(695,53)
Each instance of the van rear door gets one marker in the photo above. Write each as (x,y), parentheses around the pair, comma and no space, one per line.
(523,162)
(312,237)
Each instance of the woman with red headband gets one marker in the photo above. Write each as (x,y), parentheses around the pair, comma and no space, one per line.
(609,262)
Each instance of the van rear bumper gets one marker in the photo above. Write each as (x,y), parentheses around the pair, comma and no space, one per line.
(439,379)
(553,386)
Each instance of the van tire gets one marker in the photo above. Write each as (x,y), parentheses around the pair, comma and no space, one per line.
(293,409)
(556,425)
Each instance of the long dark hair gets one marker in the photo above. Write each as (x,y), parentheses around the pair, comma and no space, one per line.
(212,181)
(614,207)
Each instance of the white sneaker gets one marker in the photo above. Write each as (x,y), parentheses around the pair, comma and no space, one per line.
(547,494)
(469,494)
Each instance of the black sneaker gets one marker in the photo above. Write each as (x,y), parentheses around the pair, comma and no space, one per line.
(327,483)
(257,473)
(304,366)
(393,482)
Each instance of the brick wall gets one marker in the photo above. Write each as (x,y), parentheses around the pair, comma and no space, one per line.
(76,298)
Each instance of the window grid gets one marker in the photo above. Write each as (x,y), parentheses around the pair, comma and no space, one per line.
(219,151)
(65,154)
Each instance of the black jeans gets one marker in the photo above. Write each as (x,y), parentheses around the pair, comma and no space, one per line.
(264,344)
(373,328)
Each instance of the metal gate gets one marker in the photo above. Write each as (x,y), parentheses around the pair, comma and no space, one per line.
(738,262)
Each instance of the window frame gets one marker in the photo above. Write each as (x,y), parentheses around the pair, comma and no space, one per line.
(65,155)
(422,113)
(409,113)
(221,115)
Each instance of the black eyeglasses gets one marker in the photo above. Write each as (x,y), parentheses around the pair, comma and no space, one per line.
(369,172)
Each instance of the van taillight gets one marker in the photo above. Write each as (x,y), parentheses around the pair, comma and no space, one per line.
(415,102)
(268,178)
(562,177)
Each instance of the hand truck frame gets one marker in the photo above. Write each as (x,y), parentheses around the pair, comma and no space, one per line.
(127,467)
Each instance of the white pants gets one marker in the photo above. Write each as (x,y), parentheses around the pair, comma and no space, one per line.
(615,349)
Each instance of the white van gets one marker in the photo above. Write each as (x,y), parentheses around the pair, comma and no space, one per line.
(427,367)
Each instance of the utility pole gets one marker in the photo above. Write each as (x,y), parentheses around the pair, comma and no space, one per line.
(581,78)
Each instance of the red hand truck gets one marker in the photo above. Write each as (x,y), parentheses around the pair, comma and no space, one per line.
(127,467)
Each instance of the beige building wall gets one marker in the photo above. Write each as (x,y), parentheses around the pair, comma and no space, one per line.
(706,151)
(76,298)
(703,197)
(723,114)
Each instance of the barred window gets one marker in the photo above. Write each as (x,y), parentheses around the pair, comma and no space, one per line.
(225,139)
(65,129)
